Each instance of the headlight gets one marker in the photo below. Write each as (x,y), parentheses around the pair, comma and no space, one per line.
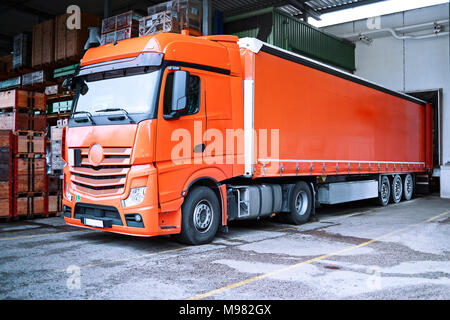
(136,196)
(69,196)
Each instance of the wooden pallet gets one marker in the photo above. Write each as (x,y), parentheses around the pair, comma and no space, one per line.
(23,99)
(55,203)
(30,206)
(29,142)
(18,121)
(30,175)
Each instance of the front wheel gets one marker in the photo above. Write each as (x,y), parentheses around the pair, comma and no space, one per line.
(300,204)
(200,217)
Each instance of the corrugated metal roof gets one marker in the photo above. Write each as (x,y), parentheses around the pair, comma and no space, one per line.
(233,7)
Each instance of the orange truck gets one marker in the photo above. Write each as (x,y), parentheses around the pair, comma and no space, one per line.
(174,134)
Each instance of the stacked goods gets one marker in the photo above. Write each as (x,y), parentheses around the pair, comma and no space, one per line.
(120,27)
(69,43)
(26,164)
(11,83)
(172,16)
(18,109)
(56,162)
(43,52)
(59,107)
(35,78)
(6,174)
(21,51)
(55,183)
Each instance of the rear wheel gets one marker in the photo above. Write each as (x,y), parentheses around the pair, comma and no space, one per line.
(408,187)
(397,189)
(200,217)
(300,204)
(385,191)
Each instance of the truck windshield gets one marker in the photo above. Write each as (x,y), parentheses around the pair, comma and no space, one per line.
(135,94)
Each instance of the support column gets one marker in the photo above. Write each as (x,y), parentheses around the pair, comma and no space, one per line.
(206,24)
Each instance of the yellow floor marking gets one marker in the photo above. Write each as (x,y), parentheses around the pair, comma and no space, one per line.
(265,275)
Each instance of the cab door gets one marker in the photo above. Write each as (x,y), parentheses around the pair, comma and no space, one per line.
(180,143)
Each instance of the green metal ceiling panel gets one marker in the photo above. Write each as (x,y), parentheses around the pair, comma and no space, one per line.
(289,33)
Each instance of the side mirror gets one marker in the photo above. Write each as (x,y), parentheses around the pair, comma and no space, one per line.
(179,94)
(67,83)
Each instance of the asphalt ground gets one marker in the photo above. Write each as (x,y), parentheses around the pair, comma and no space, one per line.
(350,251)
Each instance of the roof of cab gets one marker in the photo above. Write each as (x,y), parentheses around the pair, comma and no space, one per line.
(176,47)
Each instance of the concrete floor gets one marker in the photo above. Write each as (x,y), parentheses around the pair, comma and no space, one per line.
(353,251)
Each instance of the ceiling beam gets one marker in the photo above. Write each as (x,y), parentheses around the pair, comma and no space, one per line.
(304,8)
(348,6)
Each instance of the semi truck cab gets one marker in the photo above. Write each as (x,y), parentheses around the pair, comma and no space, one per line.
(134,101)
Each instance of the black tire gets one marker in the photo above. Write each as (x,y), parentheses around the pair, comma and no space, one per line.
(200,217)
(396,189)
(408,187)
(300,204)
(384,192)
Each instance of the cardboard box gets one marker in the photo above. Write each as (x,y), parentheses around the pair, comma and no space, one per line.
(55,133)
(52,90)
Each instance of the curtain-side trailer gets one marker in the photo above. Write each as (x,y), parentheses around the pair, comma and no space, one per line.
(173,134)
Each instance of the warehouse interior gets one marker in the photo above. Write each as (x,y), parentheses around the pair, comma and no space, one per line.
(405,51)
(121,236)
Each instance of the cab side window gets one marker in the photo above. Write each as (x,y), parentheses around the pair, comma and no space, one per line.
(193,98)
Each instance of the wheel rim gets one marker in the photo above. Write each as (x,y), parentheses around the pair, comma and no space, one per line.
(398,189)
(408,185)
(203,216)
(385,192)
(301,203)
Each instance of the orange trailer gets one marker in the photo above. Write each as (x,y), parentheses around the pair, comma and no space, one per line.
(174,134)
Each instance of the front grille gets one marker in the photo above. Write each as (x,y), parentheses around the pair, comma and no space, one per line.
(108,178)
(84,210)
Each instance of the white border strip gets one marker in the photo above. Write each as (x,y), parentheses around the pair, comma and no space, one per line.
(248,126)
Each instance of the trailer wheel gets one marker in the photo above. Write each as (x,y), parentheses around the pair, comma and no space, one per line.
(408,187)
(300,204)
(200,217)
(385,191)
(397,189)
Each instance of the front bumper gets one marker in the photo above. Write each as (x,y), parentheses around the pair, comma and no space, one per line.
(110,210)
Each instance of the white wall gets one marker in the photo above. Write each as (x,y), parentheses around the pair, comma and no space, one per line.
(407,65)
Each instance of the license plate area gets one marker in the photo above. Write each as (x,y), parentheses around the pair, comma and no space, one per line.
(97,223)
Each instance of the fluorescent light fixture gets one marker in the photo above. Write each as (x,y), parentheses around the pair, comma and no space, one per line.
(371,10)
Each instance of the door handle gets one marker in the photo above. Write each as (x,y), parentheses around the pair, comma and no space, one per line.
(200,148)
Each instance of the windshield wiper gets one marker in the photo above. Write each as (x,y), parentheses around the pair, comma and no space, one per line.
(124,112)
(88,116)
